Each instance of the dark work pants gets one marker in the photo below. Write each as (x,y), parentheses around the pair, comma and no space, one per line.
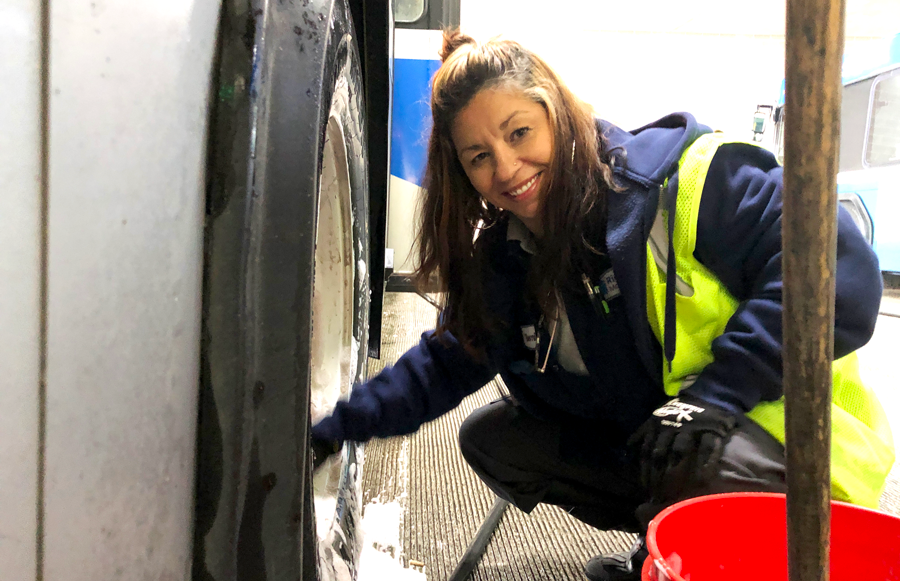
(519,457)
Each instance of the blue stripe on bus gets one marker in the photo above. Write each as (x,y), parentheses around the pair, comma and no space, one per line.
(411,117)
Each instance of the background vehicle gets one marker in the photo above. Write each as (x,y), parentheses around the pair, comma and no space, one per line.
(189,192)
(869,171)
(415,62)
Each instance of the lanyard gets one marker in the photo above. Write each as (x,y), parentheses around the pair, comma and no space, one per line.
(537,347)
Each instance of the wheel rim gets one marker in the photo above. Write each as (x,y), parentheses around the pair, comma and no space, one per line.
(334,351)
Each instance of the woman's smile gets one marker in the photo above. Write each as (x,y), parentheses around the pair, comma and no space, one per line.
(523,191)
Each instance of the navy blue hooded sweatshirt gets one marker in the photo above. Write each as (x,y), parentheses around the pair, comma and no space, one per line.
(738,239)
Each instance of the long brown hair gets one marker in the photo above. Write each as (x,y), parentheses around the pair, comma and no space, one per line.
(452,212)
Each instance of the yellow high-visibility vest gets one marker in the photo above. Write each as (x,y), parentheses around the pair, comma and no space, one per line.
(862,449)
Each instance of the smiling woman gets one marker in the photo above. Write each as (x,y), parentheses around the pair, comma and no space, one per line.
(637,330)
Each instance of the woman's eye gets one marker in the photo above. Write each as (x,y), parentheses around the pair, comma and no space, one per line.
(478,158)
(520,132)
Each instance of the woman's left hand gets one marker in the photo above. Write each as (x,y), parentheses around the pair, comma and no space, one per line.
(680,445)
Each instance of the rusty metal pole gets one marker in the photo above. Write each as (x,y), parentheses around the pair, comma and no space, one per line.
(813,47)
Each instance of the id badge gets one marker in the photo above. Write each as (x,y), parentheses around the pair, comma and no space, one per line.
(529,336)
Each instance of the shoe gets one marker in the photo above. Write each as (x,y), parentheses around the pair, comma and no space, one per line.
(625,566)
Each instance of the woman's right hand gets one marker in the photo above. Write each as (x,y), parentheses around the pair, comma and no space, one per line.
(323,449)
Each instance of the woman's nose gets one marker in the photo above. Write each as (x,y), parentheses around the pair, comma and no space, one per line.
(507,163)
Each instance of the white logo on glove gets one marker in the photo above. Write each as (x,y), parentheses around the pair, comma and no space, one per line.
(677,408)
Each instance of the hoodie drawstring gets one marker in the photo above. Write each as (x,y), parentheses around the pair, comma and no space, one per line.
(669,330)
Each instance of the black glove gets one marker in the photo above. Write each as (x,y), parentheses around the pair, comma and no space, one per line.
(680,445)
(324,449)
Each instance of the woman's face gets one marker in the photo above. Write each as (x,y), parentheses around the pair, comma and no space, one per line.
(504,142)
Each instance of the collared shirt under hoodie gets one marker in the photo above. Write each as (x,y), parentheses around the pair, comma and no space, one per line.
(564,346)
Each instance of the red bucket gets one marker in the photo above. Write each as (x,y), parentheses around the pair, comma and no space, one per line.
(743,537)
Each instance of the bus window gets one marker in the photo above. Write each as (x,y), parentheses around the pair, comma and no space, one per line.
(883,136)
(854,124)
(779,133)
(408,10)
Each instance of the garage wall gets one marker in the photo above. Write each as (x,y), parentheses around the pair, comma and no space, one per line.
(635,62)
(645,75)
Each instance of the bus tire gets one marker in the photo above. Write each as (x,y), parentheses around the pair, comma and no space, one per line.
(286,295)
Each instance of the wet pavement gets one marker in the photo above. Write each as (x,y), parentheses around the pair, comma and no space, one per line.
(879,360)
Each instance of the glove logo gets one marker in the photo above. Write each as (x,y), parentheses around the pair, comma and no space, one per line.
(677,408)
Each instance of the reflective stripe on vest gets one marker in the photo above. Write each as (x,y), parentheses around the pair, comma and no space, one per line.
(862,451)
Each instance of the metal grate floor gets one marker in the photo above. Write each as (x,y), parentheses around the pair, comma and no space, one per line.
(443,502)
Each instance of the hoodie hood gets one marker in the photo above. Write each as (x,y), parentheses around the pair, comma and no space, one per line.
(650,154)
